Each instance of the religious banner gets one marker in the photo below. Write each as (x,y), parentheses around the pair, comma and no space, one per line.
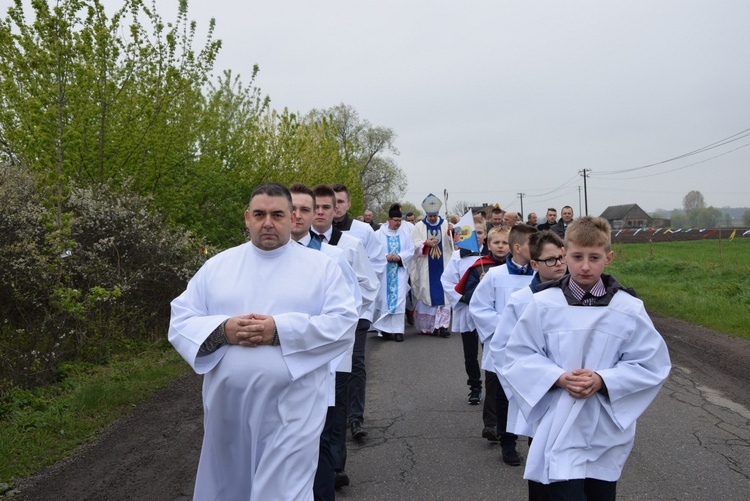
(466,233)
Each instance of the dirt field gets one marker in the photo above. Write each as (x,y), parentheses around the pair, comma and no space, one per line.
(152,453)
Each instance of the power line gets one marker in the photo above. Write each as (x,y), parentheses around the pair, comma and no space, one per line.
(565,184)
(721,142)
(680,168)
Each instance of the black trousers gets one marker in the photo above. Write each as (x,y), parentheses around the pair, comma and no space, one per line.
(495,410)
(471,363)
(358,376)
(489,408)
(323,488)
(583,489)
(538,491)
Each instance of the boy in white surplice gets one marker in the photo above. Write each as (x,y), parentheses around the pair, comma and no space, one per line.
(583,362)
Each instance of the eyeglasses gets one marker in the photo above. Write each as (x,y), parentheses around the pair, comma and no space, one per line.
(551,262)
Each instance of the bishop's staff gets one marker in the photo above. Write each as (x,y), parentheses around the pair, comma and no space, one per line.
(450,232)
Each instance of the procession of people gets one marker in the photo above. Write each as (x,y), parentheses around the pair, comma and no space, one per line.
(278,327)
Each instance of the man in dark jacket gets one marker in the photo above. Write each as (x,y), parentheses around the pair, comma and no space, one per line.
(565,219)
(551,220)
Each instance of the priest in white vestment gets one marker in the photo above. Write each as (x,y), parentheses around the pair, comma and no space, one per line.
(262,321)
(399,250)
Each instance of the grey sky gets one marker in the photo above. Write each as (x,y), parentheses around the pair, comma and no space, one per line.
(490,99)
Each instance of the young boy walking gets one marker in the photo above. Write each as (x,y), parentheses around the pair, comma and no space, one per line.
(485,308)
(583,362)
(498,247)
(546,250)
(457,266)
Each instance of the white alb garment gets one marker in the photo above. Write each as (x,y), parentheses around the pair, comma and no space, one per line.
(386,321)
(583,438)
(452,274)
(488,301)
(515,306)
(264,407)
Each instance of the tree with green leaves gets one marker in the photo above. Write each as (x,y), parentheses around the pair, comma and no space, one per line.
(707,217)
(81,102)
(693,203)
(366,149)
(679,220)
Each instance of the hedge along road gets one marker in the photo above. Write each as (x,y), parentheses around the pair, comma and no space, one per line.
(424,440)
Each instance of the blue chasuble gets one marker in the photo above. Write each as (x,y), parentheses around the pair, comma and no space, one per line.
(435,263)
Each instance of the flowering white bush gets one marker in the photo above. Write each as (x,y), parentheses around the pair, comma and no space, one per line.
(108,289)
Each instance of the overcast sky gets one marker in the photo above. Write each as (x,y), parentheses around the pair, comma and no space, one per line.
(494,98)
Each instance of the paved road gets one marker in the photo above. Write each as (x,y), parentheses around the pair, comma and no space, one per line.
(424,440)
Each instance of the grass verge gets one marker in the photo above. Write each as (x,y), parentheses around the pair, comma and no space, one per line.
(39,427)
(703,282)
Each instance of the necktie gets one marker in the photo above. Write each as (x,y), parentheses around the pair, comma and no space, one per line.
(322,238)
(314,241)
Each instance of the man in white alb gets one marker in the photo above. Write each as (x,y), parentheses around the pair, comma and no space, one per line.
(262,321)
(399,250)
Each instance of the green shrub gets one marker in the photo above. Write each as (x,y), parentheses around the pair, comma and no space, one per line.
(101,283)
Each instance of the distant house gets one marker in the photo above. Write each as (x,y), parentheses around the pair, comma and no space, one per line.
(626,216)
(486,209)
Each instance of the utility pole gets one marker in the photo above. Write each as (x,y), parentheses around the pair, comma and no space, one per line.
(585,173)
(579,200)
(520,195)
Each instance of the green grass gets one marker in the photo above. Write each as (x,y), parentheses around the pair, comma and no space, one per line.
(39,427)
(704,282)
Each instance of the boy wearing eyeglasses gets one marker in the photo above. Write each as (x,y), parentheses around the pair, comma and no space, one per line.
(486,306)
(583,362)
(547,254)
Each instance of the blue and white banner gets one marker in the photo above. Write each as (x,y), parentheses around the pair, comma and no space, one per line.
(466,234)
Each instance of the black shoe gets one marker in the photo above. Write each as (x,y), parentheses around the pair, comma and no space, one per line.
(475,396)
(340,479)
(387,336)
(434,333)
(358,431)
(490,434)
(444,332)
(399,338)
(409,317)
(511,457)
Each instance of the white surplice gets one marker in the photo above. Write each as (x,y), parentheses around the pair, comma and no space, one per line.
(342,363)
(515,306)
(583,438)
(393,321)
(264,407)
(488,301)
(365,234)
(452,274)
